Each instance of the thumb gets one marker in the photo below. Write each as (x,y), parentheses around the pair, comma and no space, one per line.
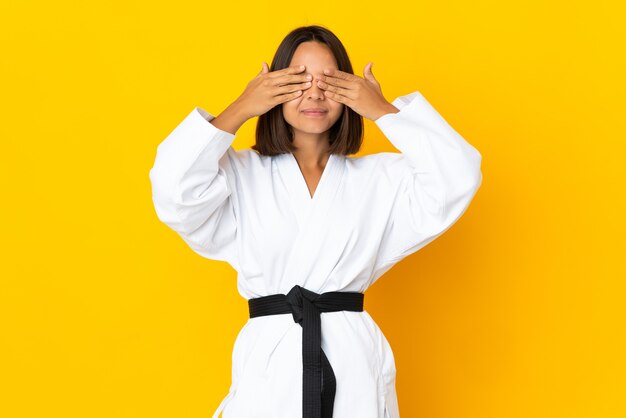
(367,72)
(265,68)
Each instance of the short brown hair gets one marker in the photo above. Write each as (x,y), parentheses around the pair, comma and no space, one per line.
(273,134)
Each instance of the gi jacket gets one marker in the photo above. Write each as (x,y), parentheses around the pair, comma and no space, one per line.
(256,213)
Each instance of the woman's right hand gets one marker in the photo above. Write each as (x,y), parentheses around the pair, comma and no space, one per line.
(270,88)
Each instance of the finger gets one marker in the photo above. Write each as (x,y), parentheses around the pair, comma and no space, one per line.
(292,78)
(339,82)
(282,98)
(287,70)
(367,72)
(264,68)
(345,88)
(338,98)
(296,86)
(288,88)
(332,91)
(332,72)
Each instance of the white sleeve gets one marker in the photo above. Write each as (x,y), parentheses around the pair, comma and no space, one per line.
(440,176)
(192,183)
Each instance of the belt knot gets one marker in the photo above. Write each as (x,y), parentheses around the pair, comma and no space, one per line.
(302,300)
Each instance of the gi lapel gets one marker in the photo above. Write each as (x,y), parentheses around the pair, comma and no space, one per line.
(301,199)
(312,213)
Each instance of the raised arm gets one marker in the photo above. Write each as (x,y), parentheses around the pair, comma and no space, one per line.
(440,176)
(192,184)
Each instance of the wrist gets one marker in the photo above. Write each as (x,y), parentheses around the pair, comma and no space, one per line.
(230,120)
(236,110)
(386,109)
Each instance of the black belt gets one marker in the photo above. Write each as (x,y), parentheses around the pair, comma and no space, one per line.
(318,378)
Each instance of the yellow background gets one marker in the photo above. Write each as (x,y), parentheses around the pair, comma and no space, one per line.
(517,311)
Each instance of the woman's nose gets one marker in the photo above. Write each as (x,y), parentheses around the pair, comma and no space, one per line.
(314,88)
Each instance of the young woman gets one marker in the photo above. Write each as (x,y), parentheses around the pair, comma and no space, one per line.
(308,228)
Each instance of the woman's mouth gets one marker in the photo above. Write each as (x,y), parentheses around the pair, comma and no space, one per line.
(314,113)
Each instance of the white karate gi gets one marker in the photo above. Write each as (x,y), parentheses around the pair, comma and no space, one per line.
(367,213)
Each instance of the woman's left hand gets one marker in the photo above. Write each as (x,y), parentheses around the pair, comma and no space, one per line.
(363,95)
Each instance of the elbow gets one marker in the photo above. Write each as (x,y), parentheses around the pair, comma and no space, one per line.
(166,198)
(162,186)
(472,176)
(458,198)
(476,173)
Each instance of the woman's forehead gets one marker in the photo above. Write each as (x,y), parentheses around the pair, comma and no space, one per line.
(315,57)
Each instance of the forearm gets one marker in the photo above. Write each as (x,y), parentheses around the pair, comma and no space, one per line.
(388,108)
(231,119)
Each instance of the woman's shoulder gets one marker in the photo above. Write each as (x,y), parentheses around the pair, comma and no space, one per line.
(380,160)
(248,160)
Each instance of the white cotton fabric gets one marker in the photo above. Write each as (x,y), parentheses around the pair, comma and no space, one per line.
(367,213)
